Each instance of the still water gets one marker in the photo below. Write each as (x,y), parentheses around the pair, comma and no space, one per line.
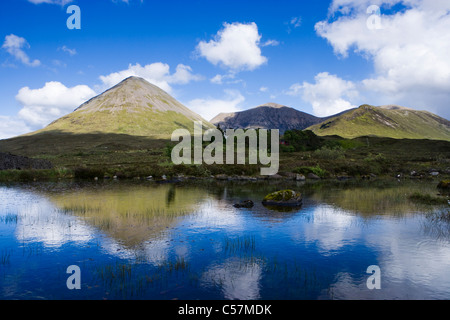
(143,240)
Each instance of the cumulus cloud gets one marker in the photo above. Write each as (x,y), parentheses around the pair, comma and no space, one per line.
(156,73)
(15,46)
(328,95)
(236,46)
(210,107)
(42,106)
(409,54)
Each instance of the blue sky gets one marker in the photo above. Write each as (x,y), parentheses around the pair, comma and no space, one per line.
(321,57)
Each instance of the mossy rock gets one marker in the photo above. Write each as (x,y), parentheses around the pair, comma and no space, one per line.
(283,198)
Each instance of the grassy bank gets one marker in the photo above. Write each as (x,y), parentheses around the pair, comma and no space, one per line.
(129,157)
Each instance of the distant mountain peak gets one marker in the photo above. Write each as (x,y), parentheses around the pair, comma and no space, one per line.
(134,106)
(272,105)
(267,116)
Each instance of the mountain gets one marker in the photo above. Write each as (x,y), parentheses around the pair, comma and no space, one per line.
(127,116)
(389,121)
(133,107)
(267,116)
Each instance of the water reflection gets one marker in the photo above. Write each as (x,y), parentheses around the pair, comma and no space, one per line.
(130,215)
(188,241)
(237,279)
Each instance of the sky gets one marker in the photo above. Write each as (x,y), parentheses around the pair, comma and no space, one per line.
(320,57)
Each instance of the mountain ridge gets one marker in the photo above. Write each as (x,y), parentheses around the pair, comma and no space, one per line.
(267,116)
(389,121)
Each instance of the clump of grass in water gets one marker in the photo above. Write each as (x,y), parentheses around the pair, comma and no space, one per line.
(246,243)
(443,216)
(180,264)
(127,280)
(427,199)
(5,257)
(9,218)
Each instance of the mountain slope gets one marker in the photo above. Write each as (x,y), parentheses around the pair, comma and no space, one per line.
(133,115)
(267,116)
(386,121)
(133,107)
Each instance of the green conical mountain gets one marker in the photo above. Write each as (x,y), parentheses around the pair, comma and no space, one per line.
(133,107)
(132,115)
(386,121)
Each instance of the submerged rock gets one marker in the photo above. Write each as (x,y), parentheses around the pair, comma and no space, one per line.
(283,198)
(244,204)
(313,176)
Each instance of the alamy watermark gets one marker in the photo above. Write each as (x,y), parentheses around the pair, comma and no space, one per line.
(74,281)
(374,21)
(374,281)
(233,141)
(74,21)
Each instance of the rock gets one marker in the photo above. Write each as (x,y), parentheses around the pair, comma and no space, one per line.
(313,176)
(244,204)
(300,177)
(12,162)
(275,177)
(283,198)
(221,177)
(444,184)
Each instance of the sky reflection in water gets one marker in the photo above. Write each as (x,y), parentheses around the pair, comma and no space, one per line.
(147,241)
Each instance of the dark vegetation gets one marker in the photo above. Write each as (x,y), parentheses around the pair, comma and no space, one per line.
(86,156)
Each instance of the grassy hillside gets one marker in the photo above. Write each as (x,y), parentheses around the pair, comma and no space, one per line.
(392,122)
(133,107)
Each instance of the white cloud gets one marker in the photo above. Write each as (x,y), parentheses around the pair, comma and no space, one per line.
(236,46)
(409,54)
(58,2)
(270,43)
(211,107)
(64,2)
(229,78)
(42,106)
(293,23)
(14,45)
(71,52)
(328,95)
(156,73)
(12,127)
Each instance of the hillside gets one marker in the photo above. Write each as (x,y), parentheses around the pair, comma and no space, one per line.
(385,121)
(267,116)
(132,115)
(133,107)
